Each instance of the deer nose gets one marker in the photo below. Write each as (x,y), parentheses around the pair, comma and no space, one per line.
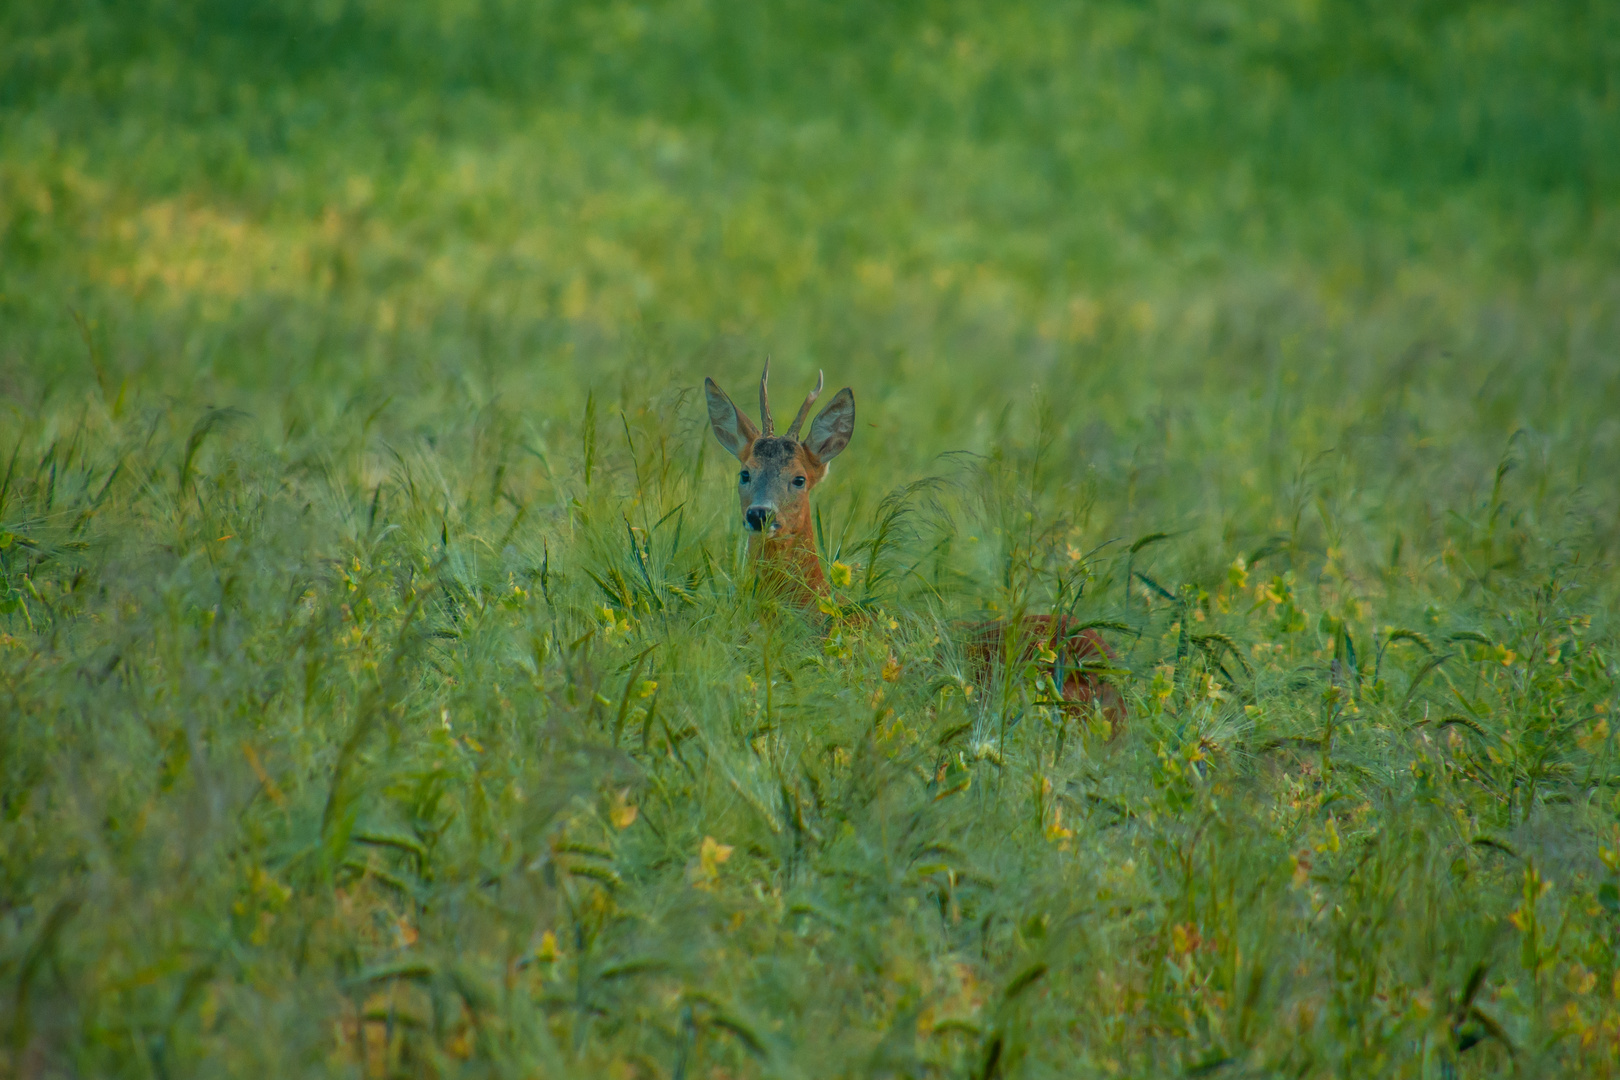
(758,517)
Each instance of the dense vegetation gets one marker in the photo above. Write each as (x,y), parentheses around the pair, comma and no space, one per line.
(382,686)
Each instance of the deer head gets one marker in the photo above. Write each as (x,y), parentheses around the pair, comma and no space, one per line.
(778,471)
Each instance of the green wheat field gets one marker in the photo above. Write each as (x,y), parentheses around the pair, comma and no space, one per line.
(384,691)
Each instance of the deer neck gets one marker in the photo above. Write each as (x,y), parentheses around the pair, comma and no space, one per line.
(789,565)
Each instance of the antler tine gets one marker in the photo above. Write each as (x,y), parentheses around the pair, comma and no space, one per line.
(804,410)
(765,420)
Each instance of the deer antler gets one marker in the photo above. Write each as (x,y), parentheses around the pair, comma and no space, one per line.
(765,420)
(804,410)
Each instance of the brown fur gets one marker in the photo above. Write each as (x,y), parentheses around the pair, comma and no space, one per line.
(779,472)
(1076,651)
(787,556)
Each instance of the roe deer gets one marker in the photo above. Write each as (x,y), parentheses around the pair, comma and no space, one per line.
(773,492)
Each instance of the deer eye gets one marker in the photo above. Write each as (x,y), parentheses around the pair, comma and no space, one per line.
(798,481)
(744,477)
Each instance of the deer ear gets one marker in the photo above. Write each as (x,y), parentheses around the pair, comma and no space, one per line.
(731,427)
(832,427)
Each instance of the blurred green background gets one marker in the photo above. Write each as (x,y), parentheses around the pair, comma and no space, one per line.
(348,366)
(1213,193)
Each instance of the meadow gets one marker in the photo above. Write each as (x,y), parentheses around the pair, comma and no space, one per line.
(384,691)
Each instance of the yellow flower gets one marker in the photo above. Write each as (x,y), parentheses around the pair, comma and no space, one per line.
(623,812)
(1330,840)
(1237,575)
(1055,830)
(711,853)
(1164,682)
(840,575)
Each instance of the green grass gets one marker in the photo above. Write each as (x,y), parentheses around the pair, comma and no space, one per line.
(382,687)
